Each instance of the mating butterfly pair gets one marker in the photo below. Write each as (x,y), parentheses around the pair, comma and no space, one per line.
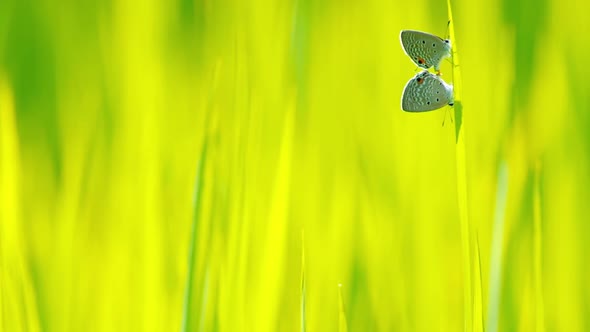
(426,91)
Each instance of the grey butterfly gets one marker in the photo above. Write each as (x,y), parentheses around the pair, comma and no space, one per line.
(424,49)
(426,92)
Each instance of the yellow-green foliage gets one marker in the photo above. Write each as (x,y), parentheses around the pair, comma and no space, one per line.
(160,161)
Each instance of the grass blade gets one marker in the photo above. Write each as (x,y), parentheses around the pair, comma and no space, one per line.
(478,325)
(303,325)
(342,325)
(186,309)
(461,180)
(495,281)
(538,254)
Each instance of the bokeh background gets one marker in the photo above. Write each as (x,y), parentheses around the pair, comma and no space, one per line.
(238,165)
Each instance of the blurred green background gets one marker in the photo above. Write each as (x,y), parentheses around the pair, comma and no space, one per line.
(224,165)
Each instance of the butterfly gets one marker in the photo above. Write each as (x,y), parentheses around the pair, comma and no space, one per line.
(426,92)
(424,49)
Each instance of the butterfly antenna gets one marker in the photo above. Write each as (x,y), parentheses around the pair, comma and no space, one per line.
(450,116)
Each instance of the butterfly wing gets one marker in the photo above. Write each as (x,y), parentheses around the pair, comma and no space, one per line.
(425,50)
(426,92)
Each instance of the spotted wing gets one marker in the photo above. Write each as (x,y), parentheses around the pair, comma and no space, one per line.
(426,92)
(425,50)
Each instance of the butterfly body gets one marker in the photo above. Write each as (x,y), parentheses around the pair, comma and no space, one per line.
(426,92)
(426,50)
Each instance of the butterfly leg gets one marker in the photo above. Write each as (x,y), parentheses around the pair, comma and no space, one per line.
(437,70)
